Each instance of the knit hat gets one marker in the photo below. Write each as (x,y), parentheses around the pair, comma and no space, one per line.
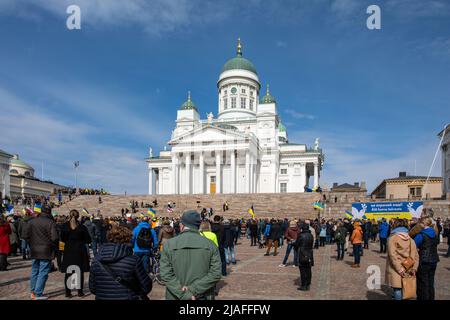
(191,219)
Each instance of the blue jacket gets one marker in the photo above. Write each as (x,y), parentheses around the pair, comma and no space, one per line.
(418,239)
(122,262)
(136,230)
(267,231)
(384,230)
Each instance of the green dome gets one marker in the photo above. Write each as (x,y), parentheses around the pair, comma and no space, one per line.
(281,128)
(189,104)
(239,63)
(16,162)
(267,98)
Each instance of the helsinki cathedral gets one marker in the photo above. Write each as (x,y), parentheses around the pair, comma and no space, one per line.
(244,149)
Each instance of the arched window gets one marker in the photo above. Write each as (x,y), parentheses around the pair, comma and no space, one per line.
(13,171)
(27,174)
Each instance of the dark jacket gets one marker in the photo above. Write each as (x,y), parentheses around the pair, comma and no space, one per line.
(99,231)
(42,236)
(75,247)
(275,231)
(304,246)
(228,233)
(123,263)
(253,227)
(217,228)
(427,242)
(23,224)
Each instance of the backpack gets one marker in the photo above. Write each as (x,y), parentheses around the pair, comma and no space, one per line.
(144,238)
(338,236)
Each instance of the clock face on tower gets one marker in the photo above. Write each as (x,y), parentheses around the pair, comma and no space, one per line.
(233,90)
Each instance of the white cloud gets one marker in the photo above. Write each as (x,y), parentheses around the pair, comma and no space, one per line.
(362,156)
(299,115)
(39,136)
(155,17)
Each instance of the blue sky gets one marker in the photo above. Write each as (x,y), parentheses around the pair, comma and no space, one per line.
(103,94)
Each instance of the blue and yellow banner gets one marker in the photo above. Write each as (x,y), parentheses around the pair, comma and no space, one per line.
(318,205)
(151,212)
(37,208)
(387,210)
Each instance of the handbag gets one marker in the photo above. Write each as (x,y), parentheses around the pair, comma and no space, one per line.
(409,288)
(123,282)
(408,263)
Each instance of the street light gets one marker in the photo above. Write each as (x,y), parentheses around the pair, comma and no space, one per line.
(76,164)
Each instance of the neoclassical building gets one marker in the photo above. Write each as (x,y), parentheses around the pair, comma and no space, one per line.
(244,149)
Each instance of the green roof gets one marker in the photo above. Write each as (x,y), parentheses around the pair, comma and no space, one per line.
(189,104)
(18,163)
(238,62)
(267,98)
(281,128)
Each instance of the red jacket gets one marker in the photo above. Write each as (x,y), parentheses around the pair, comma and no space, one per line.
(292,233)
(5,231)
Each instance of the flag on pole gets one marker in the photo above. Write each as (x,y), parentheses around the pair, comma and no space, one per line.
(251,211)
(85,212)
(151,212)
(9,209)
(37,207)
(318,205)
(348,214)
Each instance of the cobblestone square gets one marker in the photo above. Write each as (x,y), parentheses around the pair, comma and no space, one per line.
(259,277)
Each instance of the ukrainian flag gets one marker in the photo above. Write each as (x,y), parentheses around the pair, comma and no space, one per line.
(318,205)
(348,215)
(37,208)
(251,212)
(151,212)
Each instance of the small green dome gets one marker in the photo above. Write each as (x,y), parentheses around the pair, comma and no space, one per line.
(189,104)
(267,98)
(281,128)
(16,162)
(239,63)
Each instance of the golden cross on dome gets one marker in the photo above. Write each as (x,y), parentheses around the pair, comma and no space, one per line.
(239,47)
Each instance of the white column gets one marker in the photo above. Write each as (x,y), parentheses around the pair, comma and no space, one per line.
(303,177)
(218,176)
(202,173)
(247,171)
(160,181)
(175,173)
(150,181)
(316,174)
(233,172)
(251,174)
(188,173)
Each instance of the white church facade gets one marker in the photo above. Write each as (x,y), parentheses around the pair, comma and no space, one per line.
(244,149)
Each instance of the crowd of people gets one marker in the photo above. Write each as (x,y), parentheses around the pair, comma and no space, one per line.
(193,252)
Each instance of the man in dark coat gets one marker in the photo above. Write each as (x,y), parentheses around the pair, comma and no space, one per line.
(274,236)
(217,228)
(42,236)
(253,226)
(304,246)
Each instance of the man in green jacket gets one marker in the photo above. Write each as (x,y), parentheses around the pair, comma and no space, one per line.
(190,264)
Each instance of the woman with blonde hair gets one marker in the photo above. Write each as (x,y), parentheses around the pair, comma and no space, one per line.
(402,257)
(205,230)
(427,241)
(76,238)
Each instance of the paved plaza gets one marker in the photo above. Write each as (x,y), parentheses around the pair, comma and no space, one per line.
(256,276)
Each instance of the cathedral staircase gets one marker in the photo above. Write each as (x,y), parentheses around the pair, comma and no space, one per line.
(291,205)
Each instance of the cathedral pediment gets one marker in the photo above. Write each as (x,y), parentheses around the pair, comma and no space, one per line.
(208,133)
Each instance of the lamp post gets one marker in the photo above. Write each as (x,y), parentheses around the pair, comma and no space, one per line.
(76,164)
